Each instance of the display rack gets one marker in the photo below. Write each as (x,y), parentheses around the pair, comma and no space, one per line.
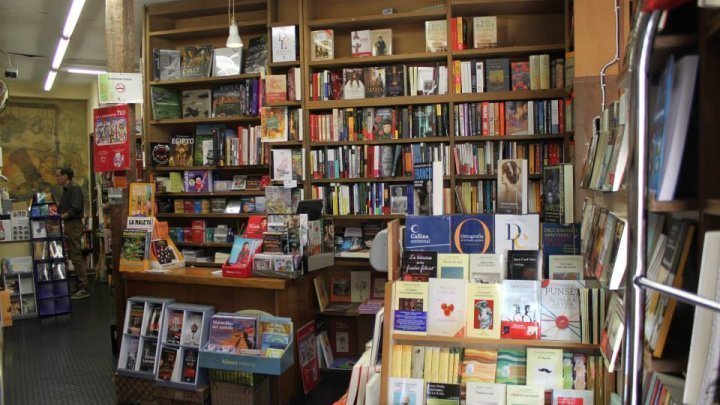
(18,279)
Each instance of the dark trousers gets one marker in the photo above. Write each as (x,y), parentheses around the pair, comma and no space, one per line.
(73,233)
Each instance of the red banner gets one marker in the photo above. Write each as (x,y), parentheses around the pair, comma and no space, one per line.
(111,149)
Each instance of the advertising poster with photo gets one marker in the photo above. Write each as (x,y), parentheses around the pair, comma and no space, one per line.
(111,146)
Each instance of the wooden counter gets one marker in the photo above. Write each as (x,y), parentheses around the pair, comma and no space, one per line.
(197,285)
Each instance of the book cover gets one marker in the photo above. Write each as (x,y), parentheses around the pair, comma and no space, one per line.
(516,232)
(307,356)
(159,154)
(275,88)
(167,64)
(512,194)
(559,240)
(166,368)
(147,359)
(525,395)
(510,368)
(485,393)
(520,309)
(572,397)
(520,76)
(497,73)
(197,61)
(427,81)
(360,43)
(428,233)
(282,164)
(486,268)
(563,267)
(342,336)
(153,320)
(473,233)
(406,391)
(174,326)
(423,189)
(483,311)
(398,199)
(230,333)
(323,42)
(381,42)
(197,181)
(613,329)
(369,230)
(137,310)
(166,103)
(162,252)
(275,333)
(227,62)
(383,128)
(418,265)
(226,100)
(207,137)
(257,54)
(141,200)
(189,366)
(524,265)
(181,150)
(340,289)
(436,36)
(284,44)
(196,103)
(453,265)
(478,366)
(485,32)
(394,80)
(545,367)
(353,83)
(516,118)
(278,200)
(274,124)
(446,309)
(374,82)
(256,226)
(192,329)
(359,286)
(410,306)
(134,253)
(442,394)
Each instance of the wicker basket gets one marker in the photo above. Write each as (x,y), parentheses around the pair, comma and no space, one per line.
(233,394)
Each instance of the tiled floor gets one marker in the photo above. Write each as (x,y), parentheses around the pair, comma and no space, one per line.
(62,360)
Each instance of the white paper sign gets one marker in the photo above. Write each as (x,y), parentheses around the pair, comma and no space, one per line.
(118,88)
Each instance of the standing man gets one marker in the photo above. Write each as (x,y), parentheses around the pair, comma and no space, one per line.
(71,211)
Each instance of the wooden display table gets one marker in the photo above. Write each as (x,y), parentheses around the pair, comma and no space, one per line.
(197,285)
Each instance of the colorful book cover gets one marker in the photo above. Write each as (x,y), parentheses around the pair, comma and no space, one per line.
(516,118)
(197,61)
(166,103)
(428,233)
(323,45)
(411,306)
(512,189)
(181,150)
(307,356)
(374,82)
(153,320)
(520,75)
(275,333)
(141,200)
(353,83)
(174,326)
(486,268)
(498,74)
(257,54)
(453,265)
(406,391)
(384,125)
(473,233)
(242,251)
(230,333)
(197,181)
(274,124)
(340,289)
(572,397)
(360,43)
(520,309)
(560,313)
(510,368)
(483,311)
(394,80)
(278,200)
(485,393)
(137,310)
(256,226)
(479,366)
(206,144)
(196,103)
(147,359)
(226,100)
(276,88)
(159,154)
(442,394)
(189,365)
(166,368)
(545,367)
(134,254)
(418,265)
(446,309)
(559,240)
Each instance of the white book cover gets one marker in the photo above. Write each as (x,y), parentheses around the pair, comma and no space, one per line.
(486,268)
(565,267)
(512,186)
(406,391)
(574,397)
(485,394)
(282,164)
(226,61)
(192,329)
(545,367)
(438,206)
(485,32)
(520,309)
(360,43)
(483,311)
(560,314)
(525,395)
(516,232)
(446,311)
(480,76)
(284,44)
(323,45)
(359,286)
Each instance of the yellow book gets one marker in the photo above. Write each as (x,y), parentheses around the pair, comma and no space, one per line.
(454,357)
(410,304)
(453,265)
(479,366)
(428,363)
(545,367)
(396,363)
(483,311)
(525,395)
(406,361)
(434,373)
(443,365)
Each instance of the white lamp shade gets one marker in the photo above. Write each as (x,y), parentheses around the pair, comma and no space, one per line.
(234,40)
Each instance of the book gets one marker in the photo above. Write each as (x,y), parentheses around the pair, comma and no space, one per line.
(428,233)
(162,252)
(174,327)
(276,88)
(242,251)
(558,196)
(374,82)
(485,393)
(575,397)
(406,391)
(323,42)
(282,164)
(486,268)
(192,329)
(275,335)
(497,72)
(436,36)
(239,182)
(166,368)
(197,61)
(483,311)
(512,194)
(565,267)
(359,286)
(181,150)
(360,43)
(446,307)
(353,83)
(153,320)
(398,199)
(284,44)
(381,41)
(418,265)
(410,306)
(394,80)
(147,358)
(478,366)
(510,368)
(559,240)
(274,124)
(423,188)
(135,250)
(195,103)
(472,233)
(524,265)
(207,140)
(226,100)
(278,200)
(166,64)
(159,154)
(442,393)
(307,356)
(197,181)
(520,72)
(340,289)
(257,54)
(232,333)
(189,365)
(525,395)
(520,309)
(516,232)
(452,265)
(612,332)
(166,103)
(516,118)
(545,367)
(137,310)
(485,32)
(227,62)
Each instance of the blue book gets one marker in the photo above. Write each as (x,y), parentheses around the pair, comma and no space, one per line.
(473,233)
(658,127)
(559,239)
(428,233)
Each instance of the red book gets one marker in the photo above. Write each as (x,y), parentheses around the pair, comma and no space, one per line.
(520,72)
(256,226)
(197,233)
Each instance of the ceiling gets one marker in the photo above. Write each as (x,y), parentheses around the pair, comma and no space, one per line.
(30,30)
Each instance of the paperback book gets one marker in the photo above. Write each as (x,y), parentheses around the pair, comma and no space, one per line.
(257,54)
(520,309)
(411,306)
(483,311)
(323,45)
(512,195)
(196,103)
(227,62)
(473,233)
(284,44)
(446,309)
(197,61)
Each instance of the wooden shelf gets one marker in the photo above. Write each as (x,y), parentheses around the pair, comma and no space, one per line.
(204,80)
(431,139)
(207,30)
(204,120)
(671,206)
(283,64)
(379,102)
(493,343)
(378,60)
(499,7)
(370,21)
(285,143)
(492,177)
(202,275)
(507,51)
(237,193)
(396,179)
(208,244)
(509,95)
(173,215)
(537,137)
(183,168)
(712,207)
(365,217)
(289,103)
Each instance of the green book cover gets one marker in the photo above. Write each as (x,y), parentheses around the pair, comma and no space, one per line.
(510,367)
(165,103)
(176,182)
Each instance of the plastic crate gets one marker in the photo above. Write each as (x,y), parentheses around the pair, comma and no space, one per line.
(233,394)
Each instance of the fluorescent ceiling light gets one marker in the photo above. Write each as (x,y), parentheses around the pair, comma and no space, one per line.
(86,71)
(73,17)
(50,80)
(60,53)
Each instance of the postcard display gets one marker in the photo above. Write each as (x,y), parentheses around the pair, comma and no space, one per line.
(183,332)
(49,257)
(139,346)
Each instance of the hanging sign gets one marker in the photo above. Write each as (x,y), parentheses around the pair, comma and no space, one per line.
(115,88)
(111,146)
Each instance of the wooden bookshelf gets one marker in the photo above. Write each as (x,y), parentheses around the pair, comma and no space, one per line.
(204,120)
(671,206)
(208,215)
(379,60)
(430,139)
(512,138)
(284,64)
(493,343)
(364,217)
(397,179)
(237,193)
(377,102)
(492,177)
(289,103)
(509,95)
(495,7)
(206,30)
(507,51)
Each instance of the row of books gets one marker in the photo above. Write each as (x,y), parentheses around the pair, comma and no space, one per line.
(486,157)
(206,61)
(383,81)
(355,161)
(522,117)
(483,32)
(351,124)
(139,248)
(377,42)
(200,232)
(283,87)
(368,198)
(536,73)
(173,183)
(604,236)
(228,100)
(244,205)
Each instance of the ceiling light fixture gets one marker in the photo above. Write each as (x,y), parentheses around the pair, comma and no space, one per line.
(234,41)
(60,53)
(73,17)
(86,71)
(70,22)
(50,79)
